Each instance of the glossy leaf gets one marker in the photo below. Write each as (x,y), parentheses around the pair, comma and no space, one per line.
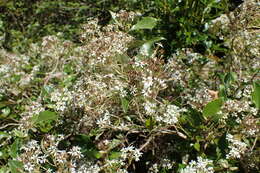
(46,116)
(256,94)
(145,23)
(146,48)
(197,146)
(212,108)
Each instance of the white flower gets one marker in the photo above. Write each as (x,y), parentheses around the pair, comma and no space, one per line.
(132,152)
(171,115)
(29,167)
(105,120)
(237,148)
(150,108)
(201,166)
(30,146)
(75,152)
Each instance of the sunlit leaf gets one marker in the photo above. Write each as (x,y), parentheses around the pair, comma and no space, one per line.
(145,23)
(256,94)
(149,123)
(212,108)
(114,155)
(46,116)
(197,146)
(146,48)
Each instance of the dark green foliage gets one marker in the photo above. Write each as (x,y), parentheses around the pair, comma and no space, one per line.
(181,23)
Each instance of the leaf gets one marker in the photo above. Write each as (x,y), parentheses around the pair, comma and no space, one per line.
(46,116)
(47,89)
(149,123)
(91,153)
(4,170)
(15,148)
(229,78)
(113,15)
(223,92)
(146,48)
(6,111)
(145,23)
(5,103)
(212,108)
(256,94)
(124,104)
(114,143)
(19,133)
(4,135)
(84,141)
(15,166)
(197,146)
(114,155)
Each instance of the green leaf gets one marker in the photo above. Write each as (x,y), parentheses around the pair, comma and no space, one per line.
(91,153)
(4,135)
(19,133)
(4,153)
(47,89)
(229,78)
(124,104)
(212,108)
(113,15)
(45,126)
(46,116)
(114,143)
(146,48)
(145,23)
(6,111)
(114,155)
(15,148)
(149,123)
(223,92)
(4,170)
(15,166)
(197,146)
(256,94)
(5,103)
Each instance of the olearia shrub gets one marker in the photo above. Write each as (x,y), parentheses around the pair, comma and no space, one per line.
(99,107)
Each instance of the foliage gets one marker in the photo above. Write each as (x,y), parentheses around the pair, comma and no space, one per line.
(91,87)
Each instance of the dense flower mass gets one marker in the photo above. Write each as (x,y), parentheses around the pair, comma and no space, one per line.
(113,103)
(237,148)
(201,166)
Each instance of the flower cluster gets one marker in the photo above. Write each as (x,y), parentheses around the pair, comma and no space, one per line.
(131,152)
(237,148)
(171,115)
(34,155)
(116,100)
(199,166)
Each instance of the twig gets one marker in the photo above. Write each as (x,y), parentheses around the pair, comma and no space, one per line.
(146,143)
(10,124)
(254,144)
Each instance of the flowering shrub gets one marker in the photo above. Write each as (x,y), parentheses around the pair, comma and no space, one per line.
(99,106)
